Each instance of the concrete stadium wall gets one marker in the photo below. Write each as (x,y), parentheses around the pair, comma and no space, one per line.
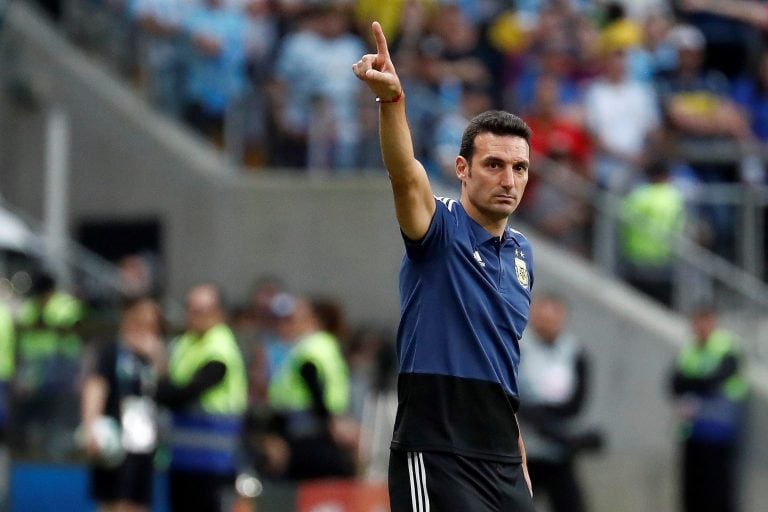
(334,236)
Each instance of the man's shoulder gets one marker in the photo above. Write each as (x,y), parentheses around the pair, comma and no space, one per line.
(450,210)
(519,238)
(449,203)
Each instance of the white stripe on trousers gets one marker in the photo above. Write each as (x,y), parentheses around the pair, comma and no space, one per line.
(418,477)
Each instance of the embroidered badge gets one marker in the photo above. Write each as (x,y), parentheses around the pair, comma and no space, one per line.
(521,270)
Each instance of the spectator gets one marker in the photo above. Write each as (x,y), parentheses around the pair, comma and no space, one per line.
(310,92)
(553,390)
(206,389)
(555,200)
(653,216)
(261,38)
(310,395)
(622,115)
(699,113)
(556,135)
(119,391)
(696,101)
(709,390)
(654,55)
(729,28)
(619,30)
(216,66)
(44,390)
(464,55)
(552,60)
(746,11)
(159,42)
(750,91)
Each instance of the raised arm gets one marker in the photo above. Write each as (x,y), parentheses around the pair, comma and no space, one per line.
(414,203)
(755,13)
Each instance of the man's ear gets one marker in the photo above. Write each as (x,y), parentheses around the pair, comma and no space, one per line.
(462,168)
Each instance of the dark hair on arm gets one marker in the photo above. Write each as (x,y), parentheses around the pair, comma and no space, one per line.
(498,122)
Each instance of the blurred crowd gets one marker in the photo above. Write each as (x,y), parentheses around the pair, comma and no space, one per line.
(295,386)
(613,91)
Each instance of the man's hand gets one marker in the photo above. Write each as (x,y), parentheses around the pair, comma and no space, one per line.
(377,70)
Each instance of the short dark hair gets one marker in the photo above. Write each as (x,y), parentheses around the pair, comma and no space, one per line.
(497,122)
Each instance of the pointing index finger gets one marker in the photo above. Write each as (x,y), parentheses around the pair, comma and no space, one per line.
(381,41)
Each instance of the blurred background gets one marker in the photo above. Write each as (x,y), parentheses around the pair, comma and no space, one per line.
(147,146)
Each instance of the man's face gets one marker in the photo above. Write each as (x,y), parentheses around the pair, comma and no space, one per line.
(203,310)
(140,321)
(702,325)
(494,182)
(548,318)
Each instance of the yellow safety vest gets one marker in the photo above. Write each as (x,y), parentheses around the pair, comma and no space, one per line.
(653,215)
(205,437)
(719,414)
(7,341)
(288,390)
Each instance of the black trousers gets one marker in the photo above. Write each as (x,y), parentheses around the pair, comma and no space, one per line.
(444,482)
(131,481)
(557,481)
(199,492)
(709,478)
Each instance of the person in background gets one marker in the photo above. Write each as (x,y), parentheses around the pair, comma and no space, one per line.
(622,115)
(731,28)
(555,200)
(699,115)
(207,392)
(747,11)
(261,38)
(44,387)
(158,26)
(119,392)
(7,363)
(310,396)
(653,216)
(750,92)
(7,368)
(709,392)
(215,76)
(554,381)
(315,102)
